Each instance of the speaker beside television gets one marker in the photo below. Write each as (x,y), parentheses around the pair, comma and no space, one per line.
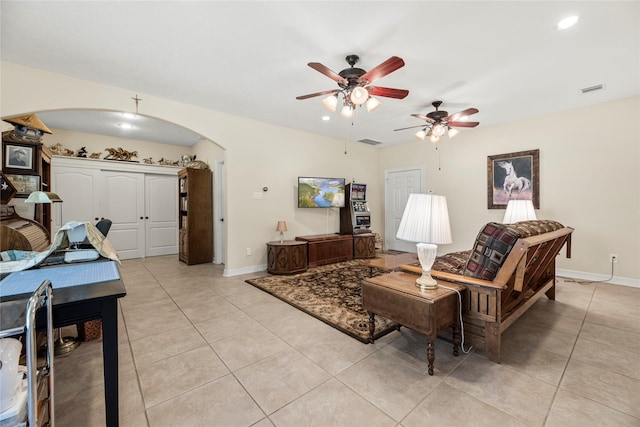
(317,192)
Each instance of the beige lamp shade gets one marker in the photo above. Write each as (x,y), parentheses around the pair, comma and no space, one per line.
(281,227)
(425,220)
(43,197)
(519,210)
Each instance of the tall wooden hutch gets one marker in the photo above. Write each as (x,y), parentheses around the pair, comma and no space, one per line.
(195,216)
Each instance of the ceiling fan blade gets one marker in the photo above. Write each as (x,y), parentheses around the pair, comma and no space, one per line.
(410,127)
(425,118)
(463,124)
(463,113)
(388,66)
(327,72)
(387,92)
(311,95)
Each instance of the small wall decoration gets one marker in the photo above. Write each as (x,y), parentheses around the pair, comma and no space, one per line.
(19,157)
(8,190)
(24,184)
(513,176)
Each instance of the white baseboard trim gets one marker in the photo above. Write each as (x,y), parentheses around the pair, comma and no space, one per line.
(244,270)
(616,280)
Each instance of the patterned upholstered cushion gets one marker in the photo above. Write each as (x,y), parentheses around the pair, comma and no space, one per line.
(493,244)
(453,262)
(535,227)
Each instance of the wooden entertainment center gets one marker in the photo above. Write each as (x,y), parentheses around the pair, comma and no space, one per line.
(329,248)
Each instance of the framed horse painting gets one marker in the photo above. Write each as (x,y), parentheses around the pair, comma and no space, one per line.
(513,176)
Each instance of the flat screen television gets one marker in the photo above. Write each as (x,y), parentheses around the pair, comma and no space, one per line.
(315,192)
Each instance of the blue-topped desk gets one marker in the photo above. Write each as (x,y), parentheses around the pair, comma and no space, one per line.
(85,300)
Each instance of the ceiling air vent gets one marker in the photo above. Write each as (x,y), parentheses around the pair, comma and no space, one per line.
(370,141)
(592,88)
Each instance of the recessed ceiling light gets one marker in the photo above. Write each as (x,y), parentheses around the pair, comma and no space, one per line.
(567,23)
(326,118)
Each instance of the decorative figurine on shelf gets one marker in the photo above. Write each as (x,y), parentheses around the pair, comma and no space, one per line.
(67,152)
(56,149)
(114,154)
(128,155)
(148,161)
(185,159)
(166,162)
(120,154)
(82,152)
(94,155)
(197,164)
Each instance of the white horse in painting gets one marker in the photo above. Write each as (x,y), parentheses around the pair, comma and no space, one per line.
(512,181)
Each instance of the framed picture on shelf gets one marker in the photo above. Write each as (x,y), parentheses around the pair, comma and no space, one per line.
(24,184)
(8,190)
(19,157)
(513,176)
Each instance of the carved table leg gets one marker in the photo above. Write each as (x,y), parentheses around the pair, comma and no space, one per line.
(431,354)
(456,339)
(372,326)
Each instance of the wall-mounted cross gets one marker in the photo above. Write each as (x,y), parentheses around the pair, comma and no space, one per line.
(135,98)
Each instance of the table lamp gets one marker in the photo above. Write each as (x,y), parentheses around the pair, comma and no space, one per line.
(281,227)
(519,210)
(43,197)
(426,221)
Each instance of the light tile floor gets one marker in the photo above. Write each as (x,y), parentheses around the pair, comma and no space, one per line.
(199,349)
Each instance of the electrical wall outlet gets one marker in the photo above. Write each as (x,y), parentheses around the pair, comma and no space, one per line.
(248,251)
(613,258)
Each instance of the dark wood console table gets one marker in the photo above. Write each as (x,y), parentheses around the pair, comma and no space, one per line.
(328,248)
(396,297)
(287,257)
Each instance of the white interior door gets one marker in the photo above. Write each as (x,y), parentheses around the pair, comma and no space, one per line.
(218,213)
(161,219)
(399,183)
(123,204)
(79,190)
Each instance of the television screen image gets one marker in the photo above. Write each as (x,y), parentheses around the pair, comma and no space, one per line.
(316,192)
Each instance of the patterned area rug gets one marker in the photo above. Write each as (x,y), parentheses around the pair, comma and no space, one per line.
(331,293)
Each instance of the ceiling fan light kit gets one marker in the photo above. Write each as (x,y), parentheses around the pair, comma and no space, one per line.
(440,122)
(355,85)
(331,102)
(372,104)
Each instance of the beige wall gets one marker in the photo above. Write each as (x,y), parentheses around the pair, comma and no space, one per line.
(98,143)
(589,169)
(589,180)
(256,155)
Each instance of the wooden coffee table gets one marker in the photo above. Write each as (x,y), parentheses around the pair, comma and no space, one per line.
(396,297)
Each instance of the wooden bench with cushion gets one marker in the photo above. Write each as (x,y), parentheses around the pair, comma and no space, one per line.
(508,269)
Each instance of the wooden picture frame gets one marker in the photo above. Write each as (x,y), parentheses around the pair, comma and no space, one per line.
(19,158)
(24,184)
(7,189)
(513,176)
